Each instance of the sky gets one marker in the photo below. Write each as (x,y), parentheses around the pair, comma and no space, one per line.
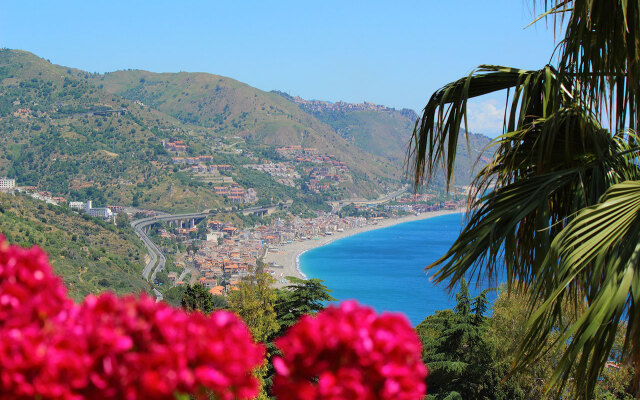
(395,53)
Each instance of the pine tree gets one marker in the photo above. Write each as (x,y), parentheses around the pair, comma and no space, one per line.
(460,362)
(300,298)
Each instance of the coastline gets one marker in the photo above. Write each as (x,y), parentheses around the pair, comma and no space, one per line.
(287,256)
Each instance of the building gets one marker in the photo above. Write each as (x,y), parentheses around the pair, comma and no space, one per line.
(87,207)
(104,213)
(76,205)
(7,184)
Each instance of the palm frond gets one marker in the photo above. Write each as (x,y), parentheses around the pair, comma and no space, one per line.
(597,258)
(537,181)
(437,133)
(601,49)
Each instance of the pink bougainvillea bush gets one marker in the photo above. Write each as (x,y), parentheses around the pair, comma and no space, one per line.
(38,353)
(349,352)
(142,349)
(110,347)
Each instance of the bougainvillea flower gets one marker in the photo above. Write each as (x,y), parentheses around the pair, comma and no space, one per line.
(112,347)
(349,352)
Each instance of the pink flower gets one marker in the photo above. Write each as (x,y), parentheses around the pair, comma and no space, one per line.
(39,354)
(350,353)
(29,291)
(110,347)
(143,349)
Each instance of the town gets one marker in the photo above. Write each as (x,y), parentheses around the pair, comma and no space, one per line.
(218,253)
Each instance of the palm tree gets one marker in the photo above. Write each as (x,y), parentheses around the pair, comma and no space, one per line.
(558,207)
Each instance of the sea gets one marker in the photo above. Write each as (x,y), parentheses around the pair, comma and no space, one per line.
(384,268)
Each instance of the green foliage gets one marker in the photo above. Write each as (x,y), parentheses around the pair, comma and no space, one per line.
(459,358)
(508,323)
(470,355)
(557,206)
(254,302)
(198,298)
(91,256)
(302,297)
(122,220)
(174,295)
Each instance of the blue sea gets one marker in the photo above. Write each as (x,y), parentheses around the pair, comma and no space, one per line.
(384,268)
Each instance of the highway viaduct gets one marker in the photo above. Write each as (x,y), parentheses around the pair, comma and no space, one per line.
(157,260)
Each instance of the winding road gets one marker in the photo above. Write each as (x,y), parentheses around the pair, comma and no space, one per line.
(157,260)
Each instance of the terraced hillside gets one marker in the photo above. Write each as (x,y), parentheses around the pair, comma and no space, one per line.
(386,132)
(103,137)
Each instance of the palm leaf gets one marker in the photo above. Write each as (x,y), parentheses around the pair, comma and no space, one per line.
(596,257)
(436,134)
(601,49)
(538,179)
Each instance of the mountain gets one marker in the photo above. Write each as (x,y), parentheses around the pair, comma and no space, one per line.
(90,255)
(377,129)
(386,132)
(224,106)
(131,138)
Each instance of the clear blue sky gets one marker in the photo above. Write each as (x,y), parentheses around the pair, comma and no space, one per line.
(393,52)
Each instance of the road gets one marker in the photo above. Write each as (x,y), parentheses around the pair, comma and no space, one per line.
(379,200)
(157,260)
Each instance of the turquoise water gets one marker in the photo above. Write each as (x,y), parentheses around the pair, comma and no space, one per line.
(384,268)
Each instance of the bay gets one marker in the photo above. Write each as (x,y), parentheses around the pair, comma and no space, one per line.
(384,268)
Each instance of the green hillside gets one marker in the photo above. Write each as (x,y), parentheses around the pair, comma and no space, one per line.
(52,139)
(89,255)
(103,137)
(224,106)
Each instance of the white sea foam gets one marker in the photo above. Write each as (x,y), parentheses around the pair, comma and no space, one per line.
(298,265)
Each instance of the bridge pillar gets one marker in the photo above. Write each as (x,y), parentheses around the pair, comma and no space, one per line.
(193,222)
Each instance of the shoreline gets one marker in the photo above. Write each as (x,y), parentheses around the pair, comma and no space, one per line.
(287,256)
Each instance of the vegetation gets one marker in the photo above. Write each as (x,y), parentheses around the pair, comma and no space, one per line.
(557,206)
(254,303)
(225,107)
(197,297)
(469,354)
(53,139)
(91,256)
(302,297)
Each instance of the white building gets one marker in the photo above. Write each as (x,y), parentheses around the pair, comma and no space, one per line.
(100,213)
(76,205)
(87,207)
(7,184)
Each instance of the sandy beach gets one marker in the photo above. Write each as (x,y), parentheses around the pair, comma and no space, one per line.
(285,256)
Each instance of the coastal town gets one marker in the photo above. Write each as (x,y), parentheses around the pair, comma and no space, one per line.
(229,253)
(223,252)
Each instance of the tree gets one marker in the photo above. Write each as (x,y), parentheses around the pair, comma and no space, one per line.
(174,295)
(122,220)
(460,360)
(558,207)
(254,303)
(508,322)
(197,297)
(300,298)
